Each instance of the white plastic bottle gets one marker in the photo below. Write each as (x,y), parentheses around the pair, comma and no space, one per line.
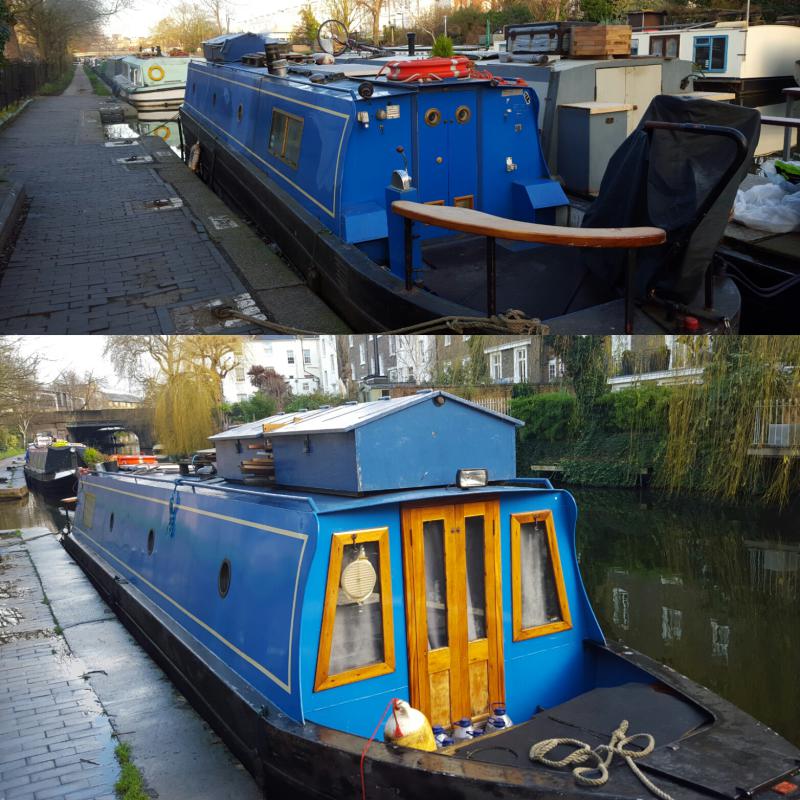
(498,720)
(462,730)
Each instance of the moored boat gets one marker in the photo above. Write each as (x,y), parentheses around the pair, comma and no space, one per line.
(359,152)
(152,83)
(53,468)
(345,558)
(754,63)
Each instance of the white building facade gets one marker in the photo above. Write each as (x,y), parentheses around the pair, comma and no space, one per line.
(308,364)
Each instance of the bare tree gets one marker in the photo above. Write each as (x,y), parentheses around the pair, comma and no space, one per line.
(87,389)
(220,12)
(54,24)
(19,386)
(349,12)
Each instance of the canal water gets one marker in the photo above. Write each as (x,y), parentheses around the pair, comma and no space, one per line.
(711,590)
(166,129)
(708,589)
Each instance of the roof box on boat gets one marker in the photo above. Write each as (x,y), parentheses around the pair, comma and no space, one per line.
(401,443)
(232,46)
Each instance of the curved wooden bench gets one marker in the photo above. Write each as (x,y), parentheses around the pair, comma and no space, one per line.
(468,220)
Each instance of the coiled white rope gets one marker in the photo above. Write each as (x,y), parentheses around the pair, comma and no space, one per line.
(602,755)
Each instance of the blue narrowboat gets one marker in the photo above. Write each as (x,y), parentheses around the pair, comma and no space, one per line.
(346,557)
(406,198)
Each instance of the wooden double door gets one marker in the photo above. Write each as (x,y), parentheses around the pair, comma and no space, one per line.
(451,560)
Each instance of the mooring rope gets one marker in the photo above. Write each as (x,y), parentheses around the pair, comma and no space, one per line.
(602,755)
(513,321)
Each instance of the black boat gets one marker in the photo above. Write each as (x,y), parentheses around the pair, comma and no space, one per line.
(53,469)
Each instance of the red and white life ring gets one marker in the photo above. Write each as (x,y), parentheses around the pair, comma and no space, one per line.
(428,69)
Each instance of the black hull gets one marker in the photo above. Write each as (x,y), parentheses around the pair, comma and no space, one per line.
(367,296)
(318,763)
(61,487)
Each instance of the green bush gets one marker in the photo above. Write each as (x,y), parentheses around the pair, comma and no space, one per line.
(256,407)
(645,408)
(442,47)
(548,417)
(92,457)
(313,400)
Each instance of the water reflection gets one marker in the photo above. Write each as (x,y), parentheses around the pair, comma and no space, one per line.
(166,129)
(33,511)
(707,589)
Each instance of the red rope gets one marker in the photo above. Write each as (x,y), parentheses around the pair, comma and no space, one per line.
(369,742)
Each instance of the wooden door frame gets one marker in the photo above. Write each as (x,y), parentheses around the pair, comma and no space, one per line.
(453,512)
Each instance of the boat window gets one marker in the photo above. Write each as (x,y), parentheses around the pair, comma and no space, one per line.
(285,136)
(665,46)
(151,541)
(224,578)
(111,522)
(538,594)
(435,583)
(357,637)
(88,509)
(476,577)
(710,53)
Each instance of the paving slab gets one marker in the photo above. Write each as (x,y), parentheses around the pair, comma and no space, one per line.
(56,740)
(179,755)
(98,252)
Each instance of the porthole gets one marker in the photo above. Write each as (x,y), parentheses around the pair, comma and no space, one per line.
(151,541)
(433,117)
(224,579)
(438,400)
(194,87)
(463,115)
(239,112)
(214,99)
(111,522)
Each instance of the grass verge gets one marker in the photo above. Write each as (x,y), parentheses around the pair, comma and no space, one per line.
(59,84)
(14,451)
(98,87)
(129,785)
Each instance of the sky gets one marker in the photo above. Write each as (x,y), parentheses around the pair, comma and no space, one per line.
(273,16)
(79,353)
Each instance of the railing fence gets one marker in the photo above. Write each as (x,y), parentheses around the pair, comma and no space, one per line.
(777,424)
(21,79)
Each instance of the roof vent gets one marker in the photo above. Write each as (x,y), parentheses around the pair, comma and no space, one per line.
(423,391)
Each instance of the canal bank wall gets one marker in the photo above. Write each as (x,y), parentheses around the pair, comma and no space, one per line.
(627,439)
(74,683)
(12,478)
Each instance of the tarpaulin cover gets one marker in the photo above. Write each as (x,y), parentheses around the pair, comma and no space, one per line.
(662,179)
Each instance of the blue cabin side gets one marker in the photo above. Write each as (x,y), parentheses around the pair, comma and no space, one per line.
(468,143)
(169,540)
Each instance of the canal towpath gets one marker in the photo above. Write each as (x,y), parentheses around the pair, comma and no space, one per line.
(74,683)
(124,239)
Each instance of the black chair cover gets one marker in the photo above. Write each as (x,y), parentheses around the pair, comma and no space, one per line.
(663,178)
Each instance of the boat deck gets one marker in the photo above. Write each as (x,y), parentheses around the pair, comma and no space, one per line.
(546,282)
(677,765)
